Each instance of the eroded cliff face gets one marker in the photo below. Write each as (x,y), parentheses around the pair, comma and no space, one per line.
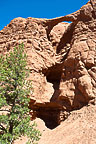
(62,61)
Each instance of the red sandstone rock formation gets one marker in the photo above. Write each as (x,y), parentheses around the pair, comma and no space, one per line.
(62,61)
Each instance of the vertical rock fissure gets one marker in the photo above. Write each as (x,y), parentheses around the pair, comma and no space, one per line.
(66,38)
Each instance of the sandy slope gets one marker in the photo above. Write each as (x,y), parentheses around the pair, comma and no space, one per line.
(79,128)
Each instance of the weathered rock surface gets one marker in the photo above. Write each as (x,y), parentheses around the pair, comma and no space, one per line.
(62,61)
(79,128)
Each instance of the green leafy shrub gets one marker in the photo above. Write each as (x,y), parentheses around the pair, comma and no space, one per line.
(14,100)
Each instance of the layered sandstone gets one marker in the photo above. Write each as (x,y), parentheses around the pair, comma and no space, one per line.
(62,61)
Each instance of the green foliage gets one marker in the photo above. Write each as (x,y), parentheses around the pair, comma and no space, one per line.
(14,100)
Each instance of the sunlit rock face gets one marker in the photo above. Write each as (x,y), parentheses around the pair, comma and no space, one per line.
(61,57)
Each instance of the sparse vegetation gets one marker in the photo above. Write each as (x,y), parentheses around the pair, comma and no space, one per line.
(14,100)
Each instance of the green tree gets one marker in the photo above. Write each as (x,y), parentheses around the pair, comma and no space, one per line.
(14,98)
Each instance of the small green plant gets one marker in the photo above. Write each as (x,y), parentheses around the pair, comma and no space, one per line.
(14,100)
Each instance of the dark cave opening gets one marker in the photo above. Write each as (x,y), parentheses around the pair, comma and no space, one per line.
(53,75)
(50,112)
(49,116)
